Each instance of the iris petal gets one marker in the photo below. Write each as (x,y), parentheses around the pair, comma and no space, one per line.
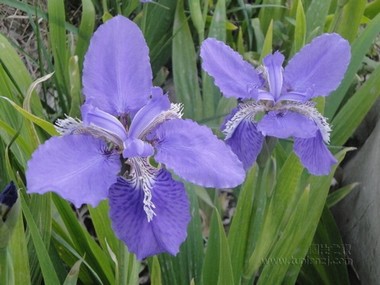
(285,124)
(246,142)
(65,164)
(195,154)
(146,115)
(318,68)
(273,65)
(117,76)
(168,227)
(234,76)
(314,155)
(94,116)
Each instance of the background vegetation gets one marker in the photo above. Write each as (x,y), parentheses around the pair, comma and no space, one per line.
(267,231)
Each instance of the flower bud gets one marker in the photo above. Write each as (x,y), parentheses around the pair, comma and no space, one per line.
(9,210)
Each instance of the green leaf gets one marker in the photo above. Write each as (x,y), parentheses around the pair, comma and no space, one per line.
(277,262)
(268,42)
(155,277)
(339,194)
(86,28)
(217,268)
(359,49)
(277,213)
(57,39)
(18,249)
(185,73)
(47,268)
(75,87)
(26,148)
(83,242)
(300,29)
(372,9)
(319,187)
(316,17)
(238,236)
(356,108)
(197,17)
(217,30)
(272,10)
(350,20)
(325,262)
(187,264)
(15,78)
(46,126)
(102,224)
(159,30)
(72,277)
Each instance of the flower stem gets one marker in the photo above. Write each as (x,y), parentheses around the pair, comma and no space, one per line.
(122,264)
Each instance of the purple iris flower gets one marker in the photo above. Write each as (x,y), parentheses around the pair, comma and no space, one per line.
(126,122)
(280,97)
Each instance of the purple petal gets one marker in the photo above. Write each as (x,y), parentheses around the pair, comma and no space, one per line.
(146,115)
(117,76)
(273,65)
(137,148)
(234,76)
(285,124)
(77,167)
(314,155)
(320,66)
(168,228)
(246,142)
(197,155)
(94,116)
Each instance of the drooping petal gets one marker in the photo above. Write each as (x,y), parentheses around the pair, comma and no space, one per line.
(285,124)
(319,67)
(273,65)
(168,227)
(314,155)
(195,154)
(117,76)
(234,76)
(77,167)
(246,142)
(242,134)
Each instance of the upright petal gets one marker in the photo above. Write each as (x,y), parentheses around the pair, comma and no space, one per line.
(234,76)
(314,155)
(319,67)
(168,227)
(117,76)
(246,142)
(146,115)
(77,167)
(286,124)
(196,154)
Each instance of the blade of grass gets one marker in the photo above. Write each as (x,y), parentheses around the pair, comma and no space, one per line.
(359,49)
(217,268)
(211,94)
(47,268)
(86,28)
(354,111)
(185,73)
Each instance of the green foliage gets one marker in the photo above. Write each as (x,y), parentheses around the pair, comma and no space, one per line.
(281,211)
